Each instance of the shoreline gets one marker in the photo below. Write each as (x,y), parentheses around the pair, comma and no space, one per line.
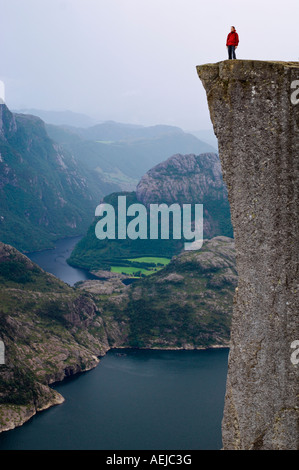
(199,348)
(21,414)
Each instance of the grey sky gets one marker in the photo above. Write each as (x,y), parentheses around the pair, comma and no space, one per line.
(132,60)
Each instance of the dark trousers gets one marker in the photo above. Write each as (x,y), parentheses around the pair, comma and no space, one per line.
(231,52)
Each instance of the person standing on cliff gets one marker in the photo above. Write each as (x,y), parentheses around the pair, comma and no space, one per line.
(232,43)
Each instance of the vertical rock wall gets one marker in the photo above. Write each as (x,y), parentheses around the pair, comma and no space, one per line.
(254,111)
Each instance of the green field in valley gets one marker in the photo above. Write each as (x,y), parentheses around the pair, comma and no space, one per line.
(151,259)
(143,266)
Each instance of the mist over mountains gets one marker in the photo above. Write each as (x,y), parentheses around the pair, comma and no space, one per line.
(123,153)
(53,177)
(45,193)
(68,118)
(182,179)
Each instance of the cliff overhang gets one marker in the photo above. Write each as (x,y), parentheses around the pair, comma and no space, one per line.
(254,108)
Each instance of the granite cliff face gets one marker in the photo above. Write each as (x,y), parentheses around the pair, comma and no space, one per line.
(257,126)
(186,179)
(179,177)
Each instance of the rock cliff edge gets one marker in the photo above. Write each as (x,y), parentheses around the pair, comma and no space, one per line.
(255,115)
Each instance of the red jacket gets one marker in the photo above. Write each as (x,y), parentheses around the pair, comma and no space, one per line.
(232,39)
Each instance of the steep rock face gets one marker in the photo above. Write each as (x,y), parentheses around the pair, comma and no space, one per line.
(8,124)
(189,179)
(257,128)
(181,179)
(45,194)
(50,331)
(185,305)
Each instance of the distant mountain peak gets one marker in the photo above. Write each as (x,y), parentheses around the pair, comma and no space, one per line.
(68,118)
(8,124)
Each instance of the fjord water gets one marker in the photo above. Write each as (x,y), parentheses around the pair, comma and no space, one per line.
(144,400)
(54,261)
(134,399)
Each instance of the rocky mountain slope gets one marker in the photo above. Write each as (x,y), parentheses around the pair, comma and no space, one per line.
(180,179)
(190,179)
(255,118)
(51,330)
(45,193)
(186,305)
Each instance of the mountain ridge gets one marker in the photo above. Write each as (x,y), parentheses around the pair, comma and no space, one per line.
(182,179)
(45,193)
(51,330)
(122,153)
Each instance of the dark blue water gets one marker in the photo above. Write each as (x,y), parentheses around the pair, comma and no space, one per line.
(152,400)
(54,261)
(145,400)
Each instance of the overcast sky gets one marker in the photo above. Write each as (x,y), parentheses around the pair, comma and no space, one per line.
(132,60)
